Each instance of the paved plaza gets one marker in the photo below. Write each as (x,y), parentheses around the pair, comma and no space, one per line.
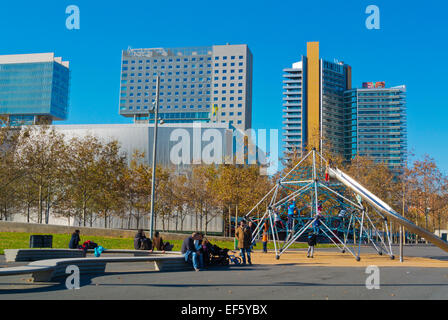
(283,281)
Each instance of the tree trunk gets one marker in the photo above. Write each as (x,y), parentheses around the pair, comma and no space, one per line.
(230,222)
(206,221)
(39,214)
(47,211)
(84,210)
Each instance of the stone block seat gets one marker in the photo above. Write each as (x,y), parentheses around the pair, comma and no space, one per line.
(20,255)
(54,269)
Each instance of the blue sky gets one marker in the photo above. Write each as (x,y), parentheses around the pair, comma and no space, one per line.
(410,48)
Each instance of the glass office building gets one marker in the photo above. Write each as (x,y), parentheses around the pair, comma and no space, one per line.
(34,88)
(376,124)
(197,84)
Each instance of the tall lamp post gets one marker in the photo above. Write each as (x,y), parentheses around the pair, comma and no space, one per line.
(426,220)
(154,154)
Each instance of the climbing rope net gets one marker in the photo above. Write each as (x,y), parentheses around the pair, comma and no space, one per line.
(307,201)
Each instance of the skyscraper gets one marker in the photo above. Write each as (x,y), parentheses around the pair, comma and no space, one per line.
(314,113)
(34,88)
(376,124)
(197,84)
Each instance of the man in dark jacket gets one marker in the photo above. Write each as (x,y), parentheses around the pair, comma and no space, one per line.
(192,252)
(74,241)
(141,242)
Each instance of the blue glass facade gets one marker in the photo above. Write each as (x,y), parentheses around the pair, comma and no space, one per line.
(34,89)
(376,125)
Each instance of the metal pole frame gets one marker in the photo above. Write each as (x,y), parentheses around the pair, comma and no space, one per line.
(369,237)
(303,159)
(295,237)
(292,195)
(338,239)
(384,246)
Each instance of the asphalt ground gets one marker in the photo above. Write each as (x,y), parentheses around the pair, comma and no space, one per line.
(286,281)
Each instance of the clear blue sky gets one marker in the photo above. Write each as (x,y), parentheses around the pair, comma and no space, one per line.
(410,48)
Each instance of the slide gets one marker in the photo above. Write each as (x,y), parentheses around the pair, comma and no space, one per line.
(382,207)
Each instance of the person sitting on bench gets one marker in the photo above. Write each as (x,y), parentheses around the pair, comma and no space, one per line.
(75,240)
(141,242)
(192,252)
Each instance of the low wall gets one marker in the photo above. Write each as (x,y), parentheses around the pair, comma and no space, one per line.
(8,226)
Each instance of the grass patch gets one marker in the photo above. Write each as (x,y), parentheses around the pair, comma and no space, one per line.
(17,240)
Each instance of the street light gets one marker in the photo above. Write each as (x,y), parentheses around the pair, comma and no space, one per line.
(426,220)
(154,150)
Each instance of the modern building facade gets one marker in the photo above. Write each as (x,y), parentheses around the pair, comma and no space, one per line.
(34,88)
(197,84)
(313,102)
(376,124)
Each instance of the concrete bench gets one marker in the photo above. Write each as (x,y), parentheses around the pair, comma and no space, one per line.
(54,269)
(20,255)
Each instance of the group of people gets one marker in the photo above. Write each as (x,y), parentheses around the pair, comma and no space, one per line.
(141,242)
(197,250)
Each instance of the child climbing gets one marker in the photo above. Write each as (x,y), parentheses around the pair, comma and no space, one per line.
(291,208)
(317,222)
(327,172)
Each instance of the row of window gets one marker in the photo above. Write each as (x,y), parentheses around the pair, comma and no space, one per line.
(232,64)
(186,66)
(169,87)
(225,98)
(131,108)
(155,74)
(192,59)
(231,71)
(231,114)
(163,60)
(231,57)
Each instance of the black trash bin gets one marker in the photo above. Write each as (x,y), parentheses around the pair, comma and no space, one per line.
(41,241)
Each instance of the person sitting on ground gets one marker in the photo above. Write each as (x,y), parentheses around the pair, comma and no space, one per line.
(141,242)
(191,252)
(158,244)
(244,236)
(312,240)
(75,240)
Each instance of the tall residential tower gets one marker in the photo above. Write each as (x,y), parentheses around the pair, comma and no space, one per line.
(377,124)
(314,106)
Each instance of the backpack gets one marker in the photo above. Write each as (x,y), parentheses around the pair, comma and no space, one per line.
(89,245)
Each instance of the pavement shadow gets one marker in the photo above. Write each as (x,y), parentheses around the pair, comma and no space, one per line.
(277,284)
(39,287)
